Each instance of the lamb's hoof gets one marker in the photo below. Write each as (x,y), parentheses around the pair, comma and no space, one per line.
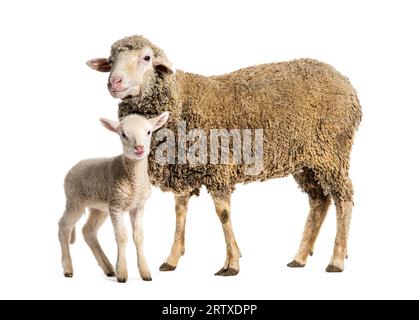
(68,274)
(147,278)
(110,274)
(167,267)
(121,280)
(227,272)
(332,268)
(295,264)
(311,253)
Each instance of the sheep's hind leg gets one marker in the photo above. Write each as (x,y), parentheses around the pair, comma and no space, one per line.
(319,204)
(90,229)
(342,193)
(66,226)
(343,220)
(178,248)
(222,207)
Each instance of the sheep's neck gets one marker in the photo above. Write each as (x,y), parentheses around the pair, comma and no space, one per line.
(163,96)
(135,170)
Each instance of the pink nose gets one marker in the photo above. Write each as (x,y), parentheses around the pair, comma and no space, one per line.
(115,83)
(139,149)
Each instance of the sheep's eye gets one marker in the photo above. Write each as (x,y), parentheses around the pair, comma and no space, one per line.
(148,132)
(147,58)
(110,60)
(123,135)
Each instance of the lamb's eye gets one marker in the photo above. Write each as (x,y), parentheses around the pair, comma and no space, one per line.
(110,60)
(147,58)
(123,135)
(148,132)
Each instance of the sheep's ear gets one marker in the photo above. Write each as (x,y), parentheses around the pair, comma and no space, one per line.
(100,64)
(163,65)
(110,125)
(160,120)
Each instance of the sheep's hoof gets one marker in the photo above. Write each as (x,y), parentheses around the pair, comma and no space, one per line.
(121,280)
(332,268)
(227,272)
(110,274)
(167,267)
(295,264)
(311,253)
(68,274)
(147,278)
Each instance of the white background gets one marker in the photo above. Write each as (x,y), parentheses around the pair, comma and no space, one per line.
(51,102)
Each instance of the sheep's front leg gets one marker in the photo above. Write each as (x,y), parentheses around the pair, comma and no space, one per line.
(136,216)
(178,248)
(121,240)
(222,207)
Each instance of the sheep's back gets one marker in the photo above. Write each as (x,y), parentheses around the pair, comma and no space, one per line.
(88,180)
(306,108)
(308,112)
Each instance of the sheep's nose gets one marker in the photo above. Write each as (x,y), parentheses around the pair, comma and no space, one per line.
(115,82)
(139,149)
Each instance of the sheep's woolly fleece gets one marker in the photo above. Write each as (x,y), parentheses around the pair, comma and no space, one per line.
(309,113)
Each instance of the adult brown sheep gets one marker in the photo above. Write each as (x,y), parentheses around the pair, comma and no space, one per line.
(308,111)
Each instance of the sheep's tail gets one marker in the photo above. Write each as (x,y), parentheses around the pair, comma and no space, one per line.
(73,235)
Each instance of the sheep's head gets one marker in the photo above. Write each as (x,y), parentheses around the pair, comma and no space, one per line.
(134,65)
(135,133)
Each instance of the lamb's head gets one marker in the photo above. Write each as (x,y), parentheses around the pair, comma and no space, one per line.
(134,64)
(135,133)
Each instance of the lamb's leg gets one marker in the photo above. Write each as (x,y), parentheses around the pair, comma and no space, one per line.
(178,248)
(121,240)
(138,235)
(222,207)
(66,224)
(90,229)
(318,211)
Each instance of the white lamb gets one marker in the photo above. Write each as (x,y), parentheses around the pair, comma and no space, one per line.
(111,186)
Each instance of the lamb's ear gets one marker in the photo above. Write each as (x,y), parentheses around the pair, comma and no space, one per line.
(99,64)
(163,65)
(160,120)
(110,125)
